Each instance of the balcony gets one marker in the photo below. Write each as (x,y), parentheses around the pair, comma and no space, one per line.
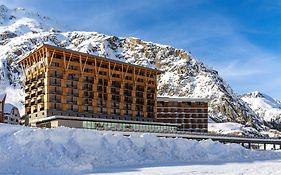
(71,86)
(40,91)
(87,102)
(28,110)
(27,98)
(73,78)
(75,94)
(89,80)
(71,102)
(89,88)
(56,76)
(33,84)
(27,105)
(34,79)
(28,82)
(57,92)
(41,76)
(56,100)
(27,93)
(32,95)
(40,101)
(40,81)
(32,103)
(55,84)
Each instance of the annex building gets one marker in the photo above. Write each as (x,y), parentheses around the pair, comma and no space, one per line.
(69,88)
(189,113)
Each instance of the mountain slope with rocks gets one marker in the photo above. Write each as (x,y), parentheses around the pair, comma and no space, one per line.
(183,75)
(266,107)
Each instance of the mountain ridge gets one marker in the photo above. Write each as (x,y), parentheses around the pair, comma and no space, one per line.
(266,107)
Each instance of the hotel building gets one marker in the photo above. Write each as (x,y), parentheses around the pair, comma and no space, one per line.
(62,82)
(69,88)
(191,114)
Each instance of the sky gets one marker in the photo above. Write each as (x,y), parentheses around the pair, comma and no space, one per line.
(239,38)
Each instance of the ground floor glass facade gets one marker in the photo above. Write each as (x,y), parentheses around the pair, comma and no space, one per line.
(128,126)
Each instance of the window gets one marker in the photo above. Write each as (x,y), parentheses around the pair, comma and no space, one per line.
(55,64)
(88,70)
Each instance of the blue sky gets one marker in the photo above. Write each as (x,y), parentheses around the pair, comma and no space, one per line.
(240,39)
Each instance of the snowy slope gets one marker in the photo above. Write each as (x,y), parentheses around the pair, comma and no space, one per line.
(265,107)
(27,150)
(182,75)
(19,21)
(232,128)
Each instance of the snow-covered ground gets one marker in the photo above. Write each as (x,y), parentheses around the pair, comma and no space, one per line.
(231,128)
(62,150)
(271,167)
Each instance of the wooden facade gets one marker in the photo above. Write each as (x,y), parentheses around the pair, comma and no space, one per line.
(68,83)
(191,114)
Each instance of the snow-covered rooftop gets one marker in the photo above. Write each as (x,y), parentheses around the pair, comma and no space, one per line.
(8,107)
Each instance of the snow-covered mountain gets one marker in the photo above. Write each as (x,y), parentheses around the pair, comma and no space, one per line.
(266,107)
(183,75)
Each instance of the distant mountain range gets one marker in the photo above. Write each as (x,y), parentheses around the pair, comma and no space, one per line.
(22,30)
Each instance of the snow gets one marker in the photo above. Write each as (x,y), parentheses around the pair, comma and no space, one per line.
(16,97)
(271,167)
(79,151)
(8,107)
(2,96)
(224,127)
(265,106)
(231,128)
(21,21)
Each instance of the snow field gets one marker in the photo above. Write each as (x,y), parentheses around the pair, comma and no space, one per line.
(26,150)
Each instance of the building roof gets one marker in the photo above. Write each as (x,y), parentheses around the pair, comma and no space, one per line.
(182,99)
(2,97)
(8,107)
(82,53)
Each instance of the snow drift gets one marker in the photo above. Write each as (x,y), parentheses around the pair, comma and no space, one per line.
(26,150)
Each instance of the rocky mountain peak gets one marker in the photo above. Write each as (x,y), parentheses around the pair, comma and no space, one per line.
(266,107)
(3,9)
(20,21)
(254,94)
(260,95)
